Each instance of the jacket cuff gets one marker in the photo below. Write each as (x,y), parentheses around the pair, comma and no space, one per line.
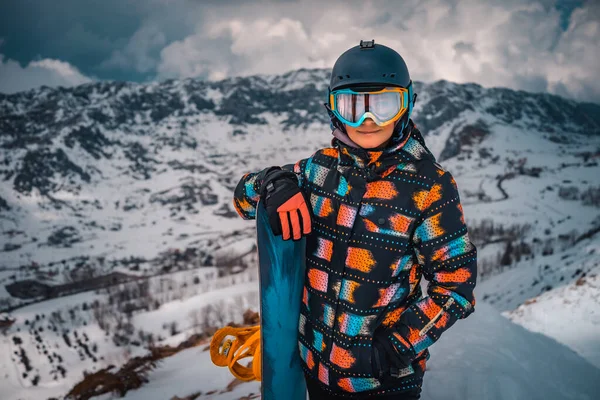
(272,174)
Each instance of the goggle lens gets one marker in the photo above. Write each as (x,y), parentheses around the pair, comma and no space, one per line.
(383,105)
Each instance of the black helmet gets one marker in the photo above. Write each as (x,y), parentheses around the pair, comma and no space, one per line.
(371,65)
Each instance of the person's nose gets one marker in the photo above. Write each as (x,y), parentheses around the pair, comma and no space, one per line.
(369,122)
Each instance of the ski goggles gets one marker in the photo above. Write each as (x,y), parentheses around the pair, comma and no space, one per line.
(384,106)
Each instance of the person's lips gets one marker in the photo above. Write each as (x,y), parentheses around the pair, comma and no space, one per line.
(367,132)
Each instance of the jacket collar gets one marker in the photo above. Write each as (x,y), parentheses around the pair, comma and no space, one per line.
(407,147)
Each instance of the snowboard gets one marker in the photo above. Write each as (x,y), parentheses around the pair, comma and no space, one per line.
(281,280)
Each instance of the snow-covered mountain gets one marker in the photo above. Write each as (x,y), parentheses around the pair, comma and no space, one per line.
(128,187)
(123,169)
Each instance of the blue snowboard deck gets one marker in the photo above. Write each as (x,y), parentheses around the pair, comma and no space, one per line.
(281,271)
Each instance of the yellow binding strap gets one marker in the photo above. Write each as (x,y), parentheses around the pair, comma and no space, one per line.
(227,352)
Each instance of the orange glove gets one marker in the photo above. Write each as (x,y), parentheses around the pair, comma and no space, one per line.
(288,215)
(288,212)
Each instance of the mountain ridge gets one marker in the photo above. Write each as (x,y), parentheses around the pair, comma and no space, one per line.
(86,170)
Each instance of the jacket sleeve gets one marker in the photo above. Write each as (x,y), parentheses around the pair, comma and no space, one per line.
(449,262)
(246,193)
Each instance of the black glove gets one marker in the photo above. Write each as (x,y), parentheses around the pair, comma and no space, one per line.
(385,360)
(285,203)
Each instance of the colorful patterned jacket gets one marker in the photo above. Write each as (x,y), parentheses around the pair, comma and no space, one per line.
(381,220)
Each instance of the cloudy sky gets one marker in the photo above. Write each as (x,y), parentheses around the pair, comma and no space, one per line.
(534,45)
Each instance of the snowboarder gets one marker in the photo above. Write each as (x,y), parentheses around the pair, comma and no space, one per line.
(378,213)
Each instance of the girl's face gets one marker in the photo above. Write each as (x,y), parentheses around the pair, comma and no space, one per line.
(370,135)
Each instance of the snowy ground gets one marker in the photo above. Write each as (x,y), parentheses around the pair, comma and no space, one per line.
(570,314)
(483,357)
(41,344)
(557,295)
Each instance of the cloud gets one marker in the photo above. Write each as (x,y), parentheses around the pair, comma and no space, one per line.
(574,71)
(520,44)
(246,40)
(535,45)
(137,53)
(239,47)
(49,72)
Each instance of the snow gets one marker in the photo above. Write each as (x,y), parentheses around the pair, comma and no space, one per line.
(531,277)
(188,372)
(570,314)
(148,226)
(487,357)
(483,357)
(180,310)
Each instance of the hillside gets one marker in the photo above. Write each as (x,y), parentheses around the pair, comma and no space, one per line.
(117,228)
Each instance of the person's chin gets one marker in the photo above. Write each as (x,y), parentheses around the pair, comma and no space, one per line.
(369,144)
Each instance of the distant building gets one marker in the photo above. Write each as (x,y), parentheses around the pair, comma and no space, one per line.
(29,289)
(6,322)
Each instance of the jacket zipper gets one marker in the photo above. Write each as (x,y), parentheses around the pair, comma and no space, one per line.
(438,315)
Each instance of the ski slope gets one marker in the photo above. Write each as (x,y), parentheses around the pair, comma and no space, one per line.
(483,357)
(570,314)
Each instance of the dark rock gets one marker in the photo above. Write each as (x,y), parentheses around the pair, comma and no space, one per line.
(142,165)
(64,237)
(91,140)
(40,167)
(468,135)
(186,196)
(4,205)
(226,211)
(11,246)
